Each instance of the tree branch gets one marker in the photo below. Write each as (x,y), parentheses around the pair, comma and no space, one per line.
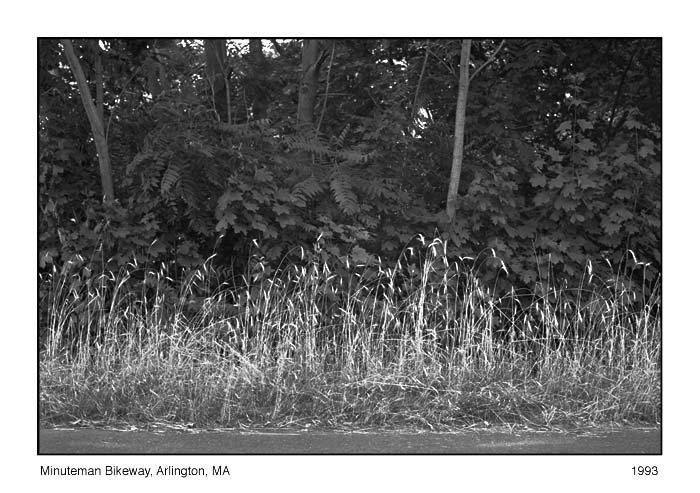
(420,81)
(489,61)
(278,48)
(325,97)
(618,95)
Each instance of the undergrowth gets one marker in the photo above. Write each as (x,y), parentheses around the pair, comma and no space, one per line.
(418,345)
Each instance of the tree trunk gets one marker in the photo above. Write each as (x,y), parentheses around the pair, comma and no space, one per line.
(308,84)
(99,85)
(216,60)
(458,150)
(259,91)
(96,123)
(152,77)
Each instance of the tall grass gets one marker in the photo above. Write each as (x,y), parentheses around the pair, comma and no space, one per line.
(384,347)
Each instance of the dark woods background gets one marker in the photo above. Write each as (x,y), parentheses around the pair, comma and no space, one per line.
(251,149)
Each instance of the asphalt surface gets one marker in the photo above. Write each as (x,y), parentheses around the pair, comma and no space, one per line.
(100,441)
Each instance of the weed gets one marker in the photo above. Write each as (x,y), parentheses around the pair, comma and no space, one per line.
(388,347)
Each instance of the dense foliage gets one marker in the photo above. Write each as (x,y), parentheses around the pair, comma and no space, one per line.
(258,232)
(561,165)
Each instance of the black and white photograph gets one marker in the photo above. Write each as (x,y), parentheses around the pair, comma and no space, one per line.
(259,249)
(360,245)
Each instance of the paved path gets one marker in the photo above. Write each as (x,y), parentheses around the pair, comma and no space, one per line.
(97,441)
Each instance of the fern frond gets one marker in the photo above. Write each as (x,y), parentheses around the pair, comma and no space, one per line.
(307,188)
(341,186)
(309,144)
(170,177)
(215,173)
(192,190)
(376,188)
(340,140)
(137,160)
